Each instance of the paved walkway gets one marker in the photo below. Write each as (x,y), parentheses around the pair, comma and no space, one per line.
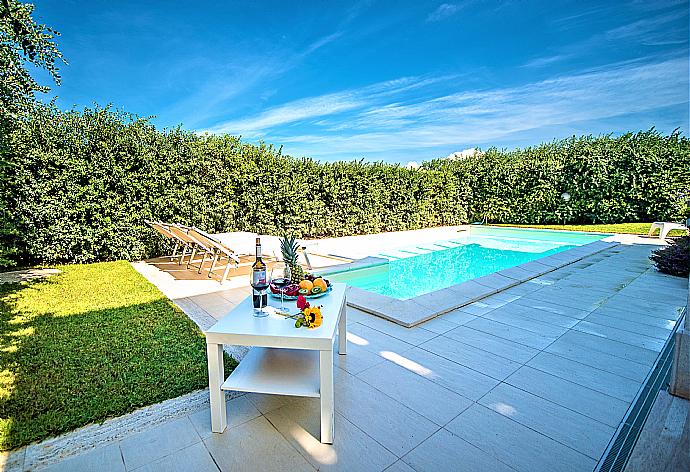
(536,378)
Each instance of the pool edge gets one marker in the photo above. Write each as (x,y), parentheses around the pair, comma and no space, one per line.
(415,311)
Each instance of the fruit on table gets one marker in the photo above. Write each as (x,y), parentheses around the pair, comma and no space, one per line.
(303,291)
(316,289)
(289,248)
(307,285)
(321,283)
(292,290)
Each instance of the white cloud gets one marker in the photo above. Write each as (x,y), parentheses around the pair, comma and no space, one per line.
(444,11)
(546,60)
(380,124)
(323,105)
(470,152)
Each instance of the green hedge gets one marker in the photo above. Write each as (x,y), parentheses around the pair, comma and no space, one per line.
(641,176)
(82,182)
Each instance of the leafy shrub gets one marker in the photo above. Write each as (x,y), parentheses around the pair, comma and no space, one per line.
(81,183)
(674,259)
(641,176)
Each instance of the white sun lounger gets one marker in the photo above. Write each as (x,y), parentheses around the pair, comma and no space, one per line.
(182,232)
(666,227)
(164,230)
(217,249)
(244,243)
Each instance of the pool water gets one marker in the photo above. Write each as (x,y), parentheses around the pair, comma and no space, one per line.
(418,269)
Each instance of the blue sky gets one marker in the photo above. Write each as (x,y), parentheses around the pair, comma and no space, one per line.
(394,81)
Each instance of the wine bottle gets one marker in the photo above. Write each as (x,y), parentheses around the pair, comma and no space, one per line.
(259,279)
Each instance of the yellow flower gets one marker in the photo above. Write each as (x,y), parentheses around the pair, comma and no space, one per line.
(313,317)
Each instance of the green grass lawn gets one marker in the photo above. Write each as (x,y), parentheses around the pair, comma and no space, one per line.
(625,228)
(94,342)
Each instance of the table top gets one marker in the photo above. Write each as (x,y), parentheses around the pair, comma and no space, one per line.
(241,327)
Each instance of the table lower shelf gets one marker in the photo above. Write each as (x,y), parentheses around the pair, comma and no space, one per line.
(278,372)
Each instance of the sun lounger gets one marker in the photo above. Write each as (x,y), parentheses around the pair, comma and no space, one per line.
(181,232)
(164,230)
(217,249)
(244,243)
(666,227)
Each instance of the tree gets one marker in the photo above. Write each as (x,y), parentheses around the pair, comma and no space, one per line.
(22,42)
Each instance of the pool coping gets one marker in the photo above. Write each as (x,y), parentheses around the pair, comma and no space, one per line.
(417,310)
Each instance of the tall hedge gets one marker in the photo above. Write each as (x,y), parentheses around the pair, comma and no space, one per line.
(642,176)
(82,182)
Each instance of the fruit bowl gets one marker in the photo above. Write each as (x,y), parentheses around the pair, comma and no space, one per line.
(294,297)
(309,287)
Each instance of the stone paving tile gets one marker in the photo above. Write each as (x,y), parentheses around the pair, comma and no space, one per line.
(425,397)
(472,357)
(646,319)
(400,466)
(374,340)
(12,461)
(599,380)
(493,344)
(239,410)
(512,333)
(609,346)
(355,316)
(194,457)
(392,424)
(523,289)
(463,380)
(630,325)
(445,451)
(352,448)
(496,281)
(627,337)
(577,431)
(142,448)
(440,325)
(519,320)
(459,317)
(580,299)
(253,446)
(541,314)
(649,307)
(596,405)
(414,336)
(512,443)
(600,360)
(358,358)
(104,459)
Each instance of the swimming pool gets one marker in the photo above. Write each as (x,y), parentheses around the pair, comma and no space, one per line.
(419,269)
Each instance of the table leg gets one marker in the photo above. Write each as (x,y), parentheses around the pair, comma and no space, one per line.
(327,399)
(216,374)
(342,330)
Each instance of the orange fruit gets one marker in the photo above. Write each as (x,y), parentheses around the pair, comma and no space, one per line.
(306,284)
(320,283)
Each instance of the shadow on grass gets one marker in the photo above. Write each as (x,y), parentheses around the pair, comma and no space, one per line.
(62,368)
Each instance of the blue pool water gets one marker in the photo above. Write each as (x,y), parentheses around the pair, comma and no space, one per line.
(423,268)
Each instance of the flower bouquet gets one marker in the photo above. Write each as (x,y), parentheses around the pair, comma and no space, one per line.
(309,316)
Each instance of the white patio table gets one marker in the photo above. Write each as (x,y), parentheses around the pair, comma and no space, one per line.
(284,360)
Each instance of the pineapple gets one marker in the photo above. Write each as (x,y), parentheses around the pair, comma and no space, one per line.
(289,248)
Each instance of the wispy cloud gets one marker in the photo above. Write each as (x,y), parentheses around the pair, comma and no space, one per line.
(546,60)
(384,118)
(444,11)
(323,105)
(223,83)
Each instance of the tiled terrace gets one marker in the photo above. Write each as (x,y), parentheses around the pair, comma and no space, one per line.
(535,378)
